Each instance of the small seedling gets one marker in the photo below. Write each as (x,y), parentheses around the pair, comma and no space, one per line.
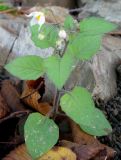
(71,42)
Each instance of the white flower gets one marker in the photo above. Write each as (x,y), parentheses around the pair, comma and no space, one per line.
(37,18)
(41,36)
(60,44)
(62,34)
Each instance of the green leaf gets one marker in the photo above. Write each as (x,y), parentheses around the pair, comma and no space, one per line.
(93,26)
(79,106)
(27,67)
(35,38)
(50,33)
(41,134)
(85,47)
(58,69)
(69,23)
(4,7)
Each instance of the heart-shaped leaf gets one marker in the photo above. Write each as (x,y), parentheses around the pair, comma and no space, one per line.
(27,67)
(58,69)
(41,134)
(94,26)
(79,106)
(85,47)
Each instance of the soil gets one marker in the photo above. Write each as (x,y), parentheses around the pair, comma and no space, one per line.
(112,109)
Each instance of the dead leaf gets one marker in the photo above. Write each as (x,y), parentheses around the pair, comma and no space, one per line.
(87,152)
(57,153)
(80,136)
(4,109)
(90,145)
(20,153)
(32,95)
(11,96)
(68,144)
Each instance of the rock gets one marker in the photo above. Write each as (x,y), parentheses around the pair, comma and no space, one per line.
(82,76)
(7,40)
(30,3)
(99,74)
(62,3)
(104,69)
(24,46)
(109,9)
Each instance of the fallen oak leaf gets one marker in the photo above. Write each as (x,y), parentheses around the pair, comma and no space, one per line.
(87,152)
(82,138)
(57,153)
(79,136)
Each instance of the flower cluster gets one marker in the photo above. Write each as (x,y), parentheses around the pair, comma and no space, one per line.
(39,18)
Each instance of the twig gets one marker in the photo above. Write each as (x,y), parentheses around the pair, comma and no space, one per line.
(75,10)
(14,114)
(66,45)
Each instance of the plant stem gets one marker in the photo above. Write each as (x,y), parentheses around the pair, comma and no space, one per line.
(56,103)
(56,100)
(64,50)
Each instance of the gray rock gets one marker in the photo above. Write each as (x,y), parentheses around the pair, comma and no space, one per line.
(61,3)
(7,40)
(109,9)
(99,74)
(24,46)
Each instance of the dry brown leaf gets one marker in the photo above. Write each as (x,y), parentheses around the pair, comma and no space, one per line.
(87,152)
(20,153)
(68,144)
(4,109)
(11,96)
(32,95)
(80,136)
(57,153)
(89,143)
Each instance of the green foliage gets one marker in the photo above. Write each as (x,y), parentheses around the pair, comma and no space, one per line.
(84,47)
(93,26)
(50,33)
(79,106)
(26,68)
(69,23)
(4,7)
(41,134)
(58,69)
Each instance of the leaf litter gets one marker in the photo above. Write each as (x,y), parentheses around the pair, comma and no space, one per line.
(80,146)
